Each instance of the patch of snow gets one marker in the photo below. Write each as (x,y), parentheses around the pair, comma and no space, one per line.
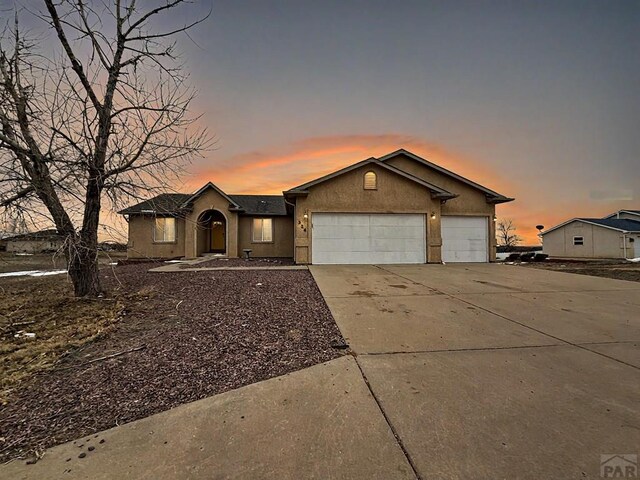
(174,261)
(23,334)
(33,273)
(502,255)
(113,263)
(635,260)
(24,254)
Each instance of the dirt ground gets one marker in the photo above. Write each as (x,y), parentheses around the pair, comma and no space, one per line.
(175,337)
(618,269)
(10,262)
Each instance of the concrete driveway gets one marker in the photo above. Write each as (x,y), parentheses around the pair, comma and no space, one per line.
(495,371)
(459,372)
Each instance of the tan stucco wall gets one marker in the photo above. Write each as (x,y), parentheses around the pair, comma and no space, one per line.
(141,244)
(345,194)
(33,246)
(282,245)
(470,201)
(210,200)
(599,242)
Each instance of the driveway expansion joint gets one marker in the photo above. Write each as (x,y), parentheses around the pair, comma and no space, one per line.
(388,421)
(480,349)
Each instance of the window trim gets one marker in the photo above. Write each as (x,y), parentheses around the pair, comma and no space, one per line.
(175,231)
(375,180)
(575,238)
(253,230)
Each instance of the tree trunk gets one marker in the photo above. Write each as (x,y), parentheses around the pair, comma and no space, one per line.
(82,261)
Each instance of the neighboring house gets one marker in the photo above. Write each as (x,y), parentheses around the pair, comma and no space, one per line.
(628,214)
(43,241)
(399,208)
(610,237)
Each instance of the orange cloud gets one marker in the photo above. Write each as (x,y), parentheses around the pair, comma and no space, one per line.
(272,171)
(284,168)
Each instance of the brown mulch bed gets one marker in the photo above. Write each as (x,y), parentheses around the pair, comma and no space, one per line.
(617,269)
(242,262)
(190,335)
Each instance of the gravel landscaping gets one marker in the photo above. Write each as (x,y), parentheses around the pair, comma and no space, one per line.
(242,262)
(178,337)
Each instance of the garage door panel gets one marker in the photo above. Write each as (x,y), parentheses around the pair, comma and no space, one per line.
(465,239)
(340,231)
(397,220)
(393,231)
(368,238)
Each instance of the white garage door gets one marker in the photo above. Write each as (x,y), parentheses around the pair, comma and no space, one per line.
(465,239)
(348,238)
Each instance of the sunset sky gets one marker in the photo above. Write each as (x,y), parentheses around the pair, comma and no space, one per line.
(539,100)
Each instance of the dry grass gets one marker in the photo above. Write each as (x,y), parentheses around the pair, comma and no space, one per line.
(617,269)
(45,306)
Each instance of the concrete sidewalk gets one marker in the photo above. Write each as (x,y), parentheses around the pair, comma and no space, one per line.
(317,423)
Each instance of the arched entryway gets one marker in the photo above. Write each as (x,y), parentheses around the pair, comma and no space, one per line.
(212,232)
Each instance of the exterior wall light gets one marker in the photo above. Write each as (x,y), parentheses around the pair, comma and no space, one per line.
(495,219)
(305,216)
(433,215)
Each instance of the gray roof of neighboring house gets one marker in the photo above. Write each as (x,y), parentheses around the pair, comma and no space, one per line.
(173,203)
(261,204)
(615,214)
(51,234)
(165,203)
(617,223)
(620,224)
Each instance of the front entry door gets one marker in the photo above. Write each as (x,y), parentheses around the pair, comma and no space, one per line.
(218,241)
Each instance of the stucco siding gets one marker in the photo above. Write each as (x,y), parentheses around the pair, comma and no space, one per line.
(598,242)
(470,201)
(141,244)
(345,194)
(195,241)
(281,246)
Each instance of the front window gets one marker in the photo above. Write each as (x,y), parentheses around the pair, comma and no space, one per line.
(578,240)
(165,230)
(262,230)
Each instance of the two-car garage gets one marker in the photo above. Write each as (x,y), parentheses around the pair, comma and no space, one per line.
(357,238)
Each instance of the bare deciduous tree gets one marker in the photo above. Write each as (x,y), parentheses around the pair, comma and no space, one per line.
(506,234)
(104,121)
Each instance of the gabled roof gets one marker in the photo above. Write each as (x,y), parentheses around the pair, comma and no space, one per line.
(165,203)
(272,205)
(210,185)
(492,197)
(174,203)
(619,224)
(632,212)
(435,190)
(51,234)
